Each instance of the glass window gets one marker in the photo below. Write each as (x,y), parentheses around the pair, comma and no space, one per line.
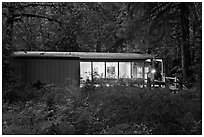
(99,69)
(137,70)
(85,70)
(111,69)
(124,70)
(146,71)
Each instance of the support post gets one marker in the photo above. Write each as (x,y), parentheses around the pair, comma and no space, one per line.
(118,69)
(92,71)
(143,73)
(131,70)
(105,69)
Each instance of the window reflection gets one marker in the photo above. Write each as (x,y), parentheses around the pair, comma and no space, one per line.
(111,69)
(99,69)
(85,70)
(137,70)
(146,72)
(124,70)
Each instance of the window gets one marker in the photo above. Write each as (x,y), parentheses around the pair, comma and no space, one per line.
(85,70)
(99,69)
(124,70)
(111,69)
(137,70)
(146,71)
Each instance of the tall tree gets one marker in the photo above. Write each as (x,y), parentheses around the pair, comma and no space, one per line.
(168,32)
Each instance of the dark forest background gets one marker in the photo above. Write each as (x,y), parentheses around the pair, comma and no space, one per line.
(172,30)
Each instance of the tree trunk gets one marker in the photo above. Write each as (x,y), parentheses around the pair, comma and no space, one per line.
(185,47)
(9,27)
(7,44)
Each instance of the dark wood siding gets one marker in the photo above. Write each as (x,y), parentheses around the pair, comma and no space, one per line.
(49,70)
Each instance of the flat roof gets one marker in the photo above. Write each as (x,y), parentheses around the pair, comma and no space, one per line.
(81,55)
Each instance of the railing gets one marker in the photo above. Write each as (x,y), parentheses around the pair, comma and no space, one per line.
(174,84)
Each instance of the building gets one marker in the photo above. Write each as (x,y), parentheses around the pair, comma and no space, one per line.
(73,67)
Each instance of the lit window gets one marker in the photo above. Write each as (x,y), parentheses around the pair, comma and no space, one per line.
(99,69)
(85,70)
(124,70)
(137,70)
(146,71)
(111,69)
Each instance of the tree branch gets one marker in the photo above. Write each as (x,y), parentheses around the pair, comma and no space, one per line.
(35,15)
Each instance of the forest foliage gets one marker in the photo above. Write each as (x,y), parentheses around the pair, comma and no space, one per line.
(171,30)
(48,109)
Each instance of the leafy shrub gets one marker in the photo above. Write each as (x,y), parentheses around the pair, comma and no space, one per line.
(117,109)
(21,92)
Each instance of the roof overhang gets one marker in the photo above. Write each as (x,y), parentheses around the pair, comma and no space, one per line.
(82,55)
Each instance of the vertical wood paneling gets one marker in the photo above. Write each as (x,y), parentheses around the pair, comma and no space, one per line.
(53,71)
(61,71)
(43,75)
(47,71)
(78,73)
(65,71)
(26,70)
(39,65)
(58,71)
(69,75)
(37,76)
(33,70)
(50,71)
(37,70)
(24,73)
(57,74)
(43,70)
(29,71)
(27,75)
(32,73)
(72,70)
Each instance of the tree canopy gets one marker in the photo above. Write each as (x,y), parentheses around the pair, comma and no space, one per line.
(170,29)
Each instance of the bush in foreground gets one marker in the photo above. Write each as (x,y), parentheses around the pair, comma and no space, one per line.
(105,110)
